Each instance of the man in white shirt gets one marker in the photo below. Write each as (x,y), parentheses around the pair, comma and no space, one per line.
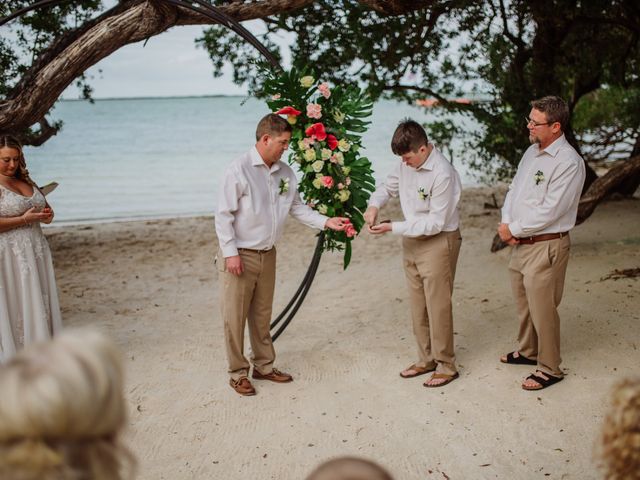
(256,195)
(538,212)
(429,189)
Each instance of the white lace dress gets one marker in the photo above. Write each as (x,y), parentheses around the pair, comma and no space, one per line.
(29,309)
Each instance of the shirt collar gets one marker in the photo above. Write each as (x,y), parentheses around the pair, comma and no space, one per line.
(554,147)
(431,159)
(257,161)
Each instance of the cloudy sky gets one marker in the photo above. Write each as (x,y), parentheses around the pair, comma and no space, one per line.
(169,64)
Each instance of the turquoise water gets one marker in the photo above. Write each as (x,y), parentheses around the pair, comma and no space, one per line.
(142,158)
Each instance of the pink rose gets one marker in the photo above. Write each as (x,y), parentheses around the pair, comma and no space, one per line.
(350,230)
(327,181)
(324,90)
(340,186)
(314,110)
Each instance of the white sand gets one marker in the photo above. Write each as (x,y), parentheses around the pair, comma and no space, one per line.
(153,287)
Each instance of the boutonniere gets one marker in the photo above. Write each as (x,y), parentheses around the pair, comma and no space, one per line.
(284,186)
(422,194)
(539,177)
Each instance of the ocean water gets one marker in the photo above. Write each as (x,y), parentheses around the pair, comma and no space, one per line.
(164,157)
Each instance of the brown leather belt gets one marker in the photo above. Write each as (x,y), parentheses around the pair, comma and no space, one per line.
(255,251)
(541,238)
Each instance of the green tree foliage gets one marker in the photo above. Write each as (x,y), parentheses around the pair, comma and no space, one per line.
(500,53)
(30,36)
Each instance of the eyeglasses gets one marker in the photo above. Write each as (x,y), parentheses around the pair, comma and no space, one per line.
(534,123)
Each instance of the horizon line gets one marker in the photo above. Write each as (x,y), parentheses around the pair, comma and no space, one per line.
(154,97)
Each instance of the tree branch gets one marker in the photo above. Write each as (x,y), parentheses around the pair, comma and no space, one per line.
(602,186)
(129,22)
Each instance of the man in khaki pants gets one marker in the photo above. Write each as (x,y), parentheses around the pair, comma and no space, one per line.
(429,189)
(256,195)
(538,212)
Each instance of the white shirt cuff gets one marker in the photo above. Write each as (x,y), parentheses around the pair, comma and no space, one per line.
(516,229)
(229,251)
(398,228)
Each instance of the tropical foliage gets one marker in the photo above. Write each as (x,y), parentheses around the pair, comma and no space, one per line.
(328,123)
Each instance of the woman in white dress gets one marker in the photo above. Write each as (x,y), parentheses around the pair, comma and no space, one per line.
(29,309)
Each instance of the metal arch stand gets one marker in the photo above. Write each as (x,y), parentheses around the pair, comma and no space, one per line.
(302,291)
(213,13)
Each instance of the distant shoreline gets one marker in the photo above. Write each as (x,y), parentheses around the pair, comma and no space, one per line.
(172,97)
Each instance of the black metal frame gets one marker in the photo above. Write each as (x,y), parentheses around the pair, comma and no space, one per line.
(206,9)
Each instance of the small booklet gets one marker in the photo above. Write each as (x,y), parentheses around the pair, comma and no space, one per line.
(48,188)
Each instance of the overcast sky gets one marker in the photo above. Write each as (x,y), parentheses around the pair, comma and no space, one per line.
(169,64)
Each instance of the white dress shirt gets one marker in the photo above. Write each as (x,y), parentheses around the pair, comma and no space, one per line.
(251,210)
(429,196)
(544,194)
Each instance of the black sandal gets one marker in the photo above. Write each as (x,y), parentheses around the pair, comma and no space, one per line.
(519,360)
(544,383)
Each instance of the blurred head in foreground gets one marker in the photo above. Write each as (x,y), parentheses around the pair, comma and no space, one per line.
(62,410)
(620,449)
(349,468)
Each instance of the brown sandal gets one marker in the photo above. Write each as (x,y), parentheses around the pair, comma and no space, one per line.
(418,371)
(444,376)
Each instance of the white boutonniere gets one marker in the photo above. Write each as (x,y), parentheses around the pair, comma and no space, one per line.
(284,186)
(539,177)
(422,194)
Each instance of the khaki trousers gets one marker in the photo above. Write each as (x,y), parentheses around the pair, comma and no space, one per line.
(430,268)
(248,298)
(537,278)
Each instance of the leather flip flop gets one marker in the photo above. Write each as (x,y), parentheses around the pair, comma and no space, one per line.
(447,379)
(418,371)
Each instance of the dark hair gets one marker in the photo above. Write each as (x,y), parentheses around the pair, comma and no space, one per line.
(9,141)
(408,137)
(555,109)
(273,125)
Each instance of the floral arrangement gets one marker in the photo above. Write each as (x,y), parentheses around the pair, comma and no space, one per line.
(538,177)
(325,143)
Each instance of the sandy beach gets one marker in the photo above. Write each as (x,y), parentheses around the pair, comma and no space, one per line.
(153,287)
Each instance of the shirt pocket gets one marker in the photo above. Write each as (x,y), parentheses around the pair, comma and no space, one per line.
(423,193)
(423,205)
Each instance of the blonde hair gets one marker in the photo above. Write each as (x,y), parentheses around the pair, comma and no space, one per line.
(620,448)
(349,468)
(9,141)
(62,411)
